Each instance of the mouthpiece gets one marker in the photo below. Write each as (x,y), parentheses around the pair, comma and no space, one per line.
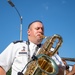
(43,37)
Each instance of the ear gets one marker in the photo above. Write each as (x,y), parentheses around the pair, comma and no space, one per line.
(28,32)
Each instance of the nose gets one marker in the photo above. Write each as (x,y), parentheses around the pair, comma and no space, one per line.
(41,31)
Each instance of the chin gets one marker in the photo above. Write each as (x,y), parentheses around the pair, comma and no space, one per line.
(39,41)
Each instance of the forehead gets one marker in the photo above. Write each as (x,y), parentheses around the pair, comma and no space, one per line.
(36,24)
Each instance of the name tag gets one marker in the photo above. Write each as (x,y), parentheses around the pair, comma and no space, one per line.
(22,52)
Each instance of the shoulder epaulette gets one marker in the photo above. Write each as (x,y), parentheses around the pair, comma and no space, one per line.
(17,41)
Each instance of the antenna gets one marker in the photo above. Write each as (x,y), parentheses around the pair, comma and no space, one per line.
(12,4)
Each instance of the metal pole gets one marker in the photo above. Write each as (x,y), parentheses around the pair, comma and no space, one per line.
(12,4)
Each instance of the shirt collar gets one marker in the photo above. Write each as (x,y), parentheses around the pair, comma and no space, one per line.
(32,45)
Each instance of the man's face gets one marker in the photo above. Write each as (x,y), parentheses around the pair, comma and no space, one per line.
(35,30)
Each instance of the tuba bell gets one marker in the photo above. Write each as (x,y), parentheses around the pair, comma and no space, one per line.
(45,65)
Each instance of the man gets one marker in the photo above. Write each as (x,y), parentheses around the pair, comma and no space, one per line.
(72,72)
(18,53)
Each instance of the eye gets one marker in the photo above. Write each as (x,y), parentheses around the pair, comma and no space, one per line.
(37,28)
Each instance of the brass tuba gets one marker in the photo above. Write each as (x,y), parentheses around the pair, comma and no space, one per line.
(45,65)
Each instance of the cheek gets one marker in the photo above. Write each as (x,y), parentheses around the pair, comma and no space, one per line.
(34,33)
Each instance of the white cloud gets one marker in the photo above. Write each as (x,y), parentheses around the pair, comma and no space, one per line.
(45,5)
(63,2)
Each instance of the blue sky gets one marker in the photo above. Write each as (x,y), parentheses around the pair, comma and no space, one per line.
(58,17)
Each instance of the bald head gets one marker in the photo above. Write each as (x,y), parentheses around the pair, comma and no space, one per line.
(34,22)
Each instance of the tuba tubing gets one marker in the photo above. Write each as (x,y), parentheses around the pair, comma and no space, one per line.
(45,65)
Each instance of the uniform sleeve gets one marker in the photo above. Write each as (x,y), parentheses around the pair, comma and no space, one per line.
(6,57)
(58,60)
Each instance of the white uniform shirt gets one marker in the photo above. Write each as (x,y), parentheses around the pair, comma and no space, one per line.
(16,56)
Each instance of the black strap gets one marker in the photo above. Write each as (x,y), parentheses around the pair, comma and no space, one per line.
(20,73)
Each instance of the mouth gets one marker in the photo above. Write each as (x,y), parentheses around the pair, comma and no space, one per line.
(41,36)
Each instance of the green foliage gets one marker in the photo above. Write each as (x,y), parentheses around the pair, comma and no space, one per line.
(9,72)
